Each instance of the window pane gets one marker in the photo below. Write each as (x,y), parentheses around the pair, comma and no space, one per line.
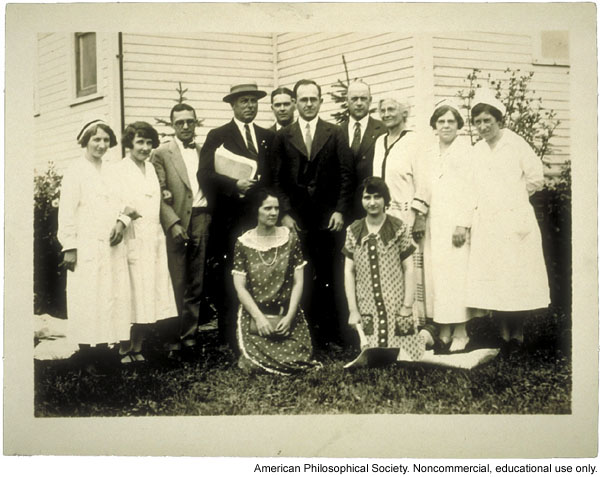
(555,44)
(85,54)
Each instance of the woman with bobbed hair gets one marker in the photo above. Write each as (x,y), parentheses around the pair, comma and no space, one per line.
(90,230)
(507,273)
(378,278)
(268,276)
(138,189)
(449,215)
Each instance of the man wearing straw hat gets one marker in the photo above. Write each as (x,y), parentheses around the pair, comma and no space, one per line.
(241,137)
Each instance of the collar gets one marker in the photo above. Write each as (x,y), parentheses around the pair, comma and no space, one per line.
(363,123)
(242,126)
(180,145)
(391,228)
(251,240)
(313,124)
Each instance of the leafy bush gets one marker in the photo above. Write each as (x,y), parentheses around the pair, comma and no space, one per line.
(49,280)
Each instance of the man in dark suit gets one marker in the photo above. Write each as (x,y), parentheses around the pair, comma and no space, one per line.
(283,104)
(361,131)
(313,176)
(232,216)
(185,218)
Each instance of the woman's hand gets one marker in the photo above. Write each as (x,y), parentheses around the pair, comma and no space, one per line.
(116,234)
(460,236)
(167,196)
(354,318)
(262,325)
(131,213)
(406,311)
(419,227)
(284,326)
(70,260)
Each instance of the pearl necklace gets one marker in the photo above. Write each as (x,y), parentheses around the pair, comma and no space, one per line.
(265,262)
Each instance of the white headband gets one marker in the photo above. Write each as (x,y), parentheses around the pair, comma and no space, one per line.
(88,126)
(485,96)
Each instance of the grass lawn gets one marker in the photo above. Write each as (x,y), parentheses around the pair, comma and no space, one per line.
(537,381)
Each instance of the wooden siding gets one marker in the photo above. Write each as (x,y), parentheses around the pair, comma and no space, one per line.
(207,64)
(386,61)
(58,119)
(456,54)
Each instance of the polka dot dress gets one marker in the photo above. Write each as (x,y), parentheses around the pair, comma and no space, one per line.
(269,279)
(380,284)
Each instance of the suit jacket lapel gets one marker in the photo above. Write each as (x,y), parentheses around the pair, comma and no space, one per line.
(322,133)
(344,127)
(236,135)
(179,165)
(296,139)
(369,137)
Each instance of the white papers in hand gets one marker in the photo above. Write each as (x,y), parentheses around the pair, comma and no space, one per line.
(232,165)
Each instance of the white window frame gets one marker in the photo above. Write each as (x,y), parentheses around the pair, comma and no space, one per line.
(72,47)
(539,59)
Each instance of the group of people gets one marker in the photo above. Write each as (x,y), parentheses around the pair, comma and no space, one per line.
(365,229)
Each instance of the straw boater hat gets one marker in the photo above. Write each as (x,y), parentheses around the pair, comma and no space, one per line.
(244,89)
(485,96)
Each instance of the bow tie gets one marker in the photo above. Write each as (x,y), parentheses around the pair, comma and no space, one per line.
(190,145)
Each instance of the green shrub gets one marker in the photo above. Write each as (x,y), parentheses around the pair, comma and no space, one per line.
(49,280)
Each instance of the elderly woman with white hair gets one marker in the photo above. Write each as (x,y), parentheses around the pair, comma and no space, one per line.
(397,161)
(507,272)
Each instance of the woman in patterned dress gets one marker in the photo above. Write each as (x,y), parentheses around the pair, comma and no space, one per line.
(267,273)
(380,296)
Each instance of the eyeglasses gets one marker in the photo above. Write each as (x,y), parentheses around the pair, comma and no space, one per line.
(188,122)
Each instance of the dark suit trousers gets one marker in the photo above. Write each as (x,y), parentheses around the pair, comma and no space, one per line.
(186,266)
(324,286)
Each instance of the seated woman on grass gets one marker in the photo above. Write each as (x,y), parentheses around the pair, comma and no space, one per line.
(268,270)
(380,298)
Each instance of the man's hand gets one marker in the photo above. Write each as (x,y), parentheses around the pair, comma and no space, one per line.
(290,223)
(179,236)
(419,227)
(459,237)
(244,185)
(116,234)
(336,222)
(69,260)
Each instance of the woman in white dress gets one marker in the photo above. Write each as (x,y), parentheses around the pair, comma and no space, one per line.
(397,160)
(138,189)
(507,272)
(451,204)
(90,230)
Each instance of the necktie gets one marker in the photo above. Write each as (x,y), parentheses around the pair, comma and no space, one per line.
(356,139)
(308,140)
(249,142)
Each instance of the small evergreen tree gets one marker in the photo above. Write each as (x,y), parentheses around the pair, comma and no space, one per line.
(167,122)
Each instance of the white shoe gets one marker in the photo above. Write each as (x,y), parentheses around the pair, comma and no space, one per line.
(459,344)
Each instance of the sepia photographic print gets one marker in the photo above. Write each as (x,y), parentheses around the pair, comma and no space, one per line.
(301,230)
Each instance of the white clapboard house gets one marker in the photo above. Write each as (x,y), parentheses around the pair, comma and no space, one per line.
(123,77)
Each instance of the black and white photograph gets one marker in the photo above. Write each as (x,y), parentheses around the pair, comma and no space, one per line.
(318,230)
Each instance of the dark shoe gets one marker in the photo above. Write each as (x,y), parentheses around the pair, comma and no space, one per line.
(515,346)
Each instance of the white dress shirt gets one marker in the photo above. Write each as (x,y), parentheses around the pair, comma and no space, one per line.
(191,161)
(363,126)
(242,127)
(312,124)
